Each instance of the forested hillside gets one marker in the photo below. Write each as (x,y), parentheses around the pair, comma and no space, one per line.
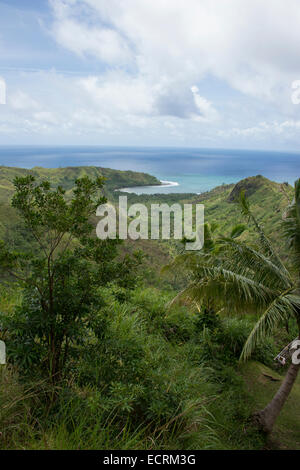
(66,177)
(268,200)
(106,351)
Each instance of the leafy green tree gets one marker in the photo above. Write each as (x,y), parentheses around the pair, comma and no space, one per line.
(251,279)
(62,274)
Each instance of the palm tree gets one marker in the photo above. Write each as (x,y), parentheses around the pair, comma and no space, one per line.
(241,278)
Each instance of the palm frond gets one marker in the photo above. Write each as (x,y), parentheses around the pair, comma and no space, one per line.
(208,238)
(241,293)
(238,230)
(188,261)
(291,223)
(266,245)
(280,309)
(245,260)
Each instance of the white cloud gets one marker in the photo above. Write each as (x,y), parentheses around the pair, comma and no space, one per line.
(119,92)
(22,101)
(106,44)
(251,44)
(168,71)
(46,117)
(149,86)
(286,129)
(207,111)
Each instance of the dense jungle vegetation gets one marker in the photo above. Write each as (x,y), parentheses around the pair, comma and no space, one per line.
(137,345)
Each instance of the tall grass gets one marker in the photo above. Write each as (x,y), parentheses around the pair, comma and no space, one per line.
(18,424)
(150,379)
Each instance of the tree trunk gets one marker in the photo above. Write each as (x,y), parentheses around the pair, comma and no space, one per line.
(267,417)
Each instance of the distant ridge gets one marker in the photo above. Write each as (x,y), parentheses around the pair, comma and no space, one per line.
(66,177)
(250,186)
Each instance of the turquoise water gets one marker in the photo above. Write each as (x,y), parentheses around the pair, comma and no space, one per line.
(185,183)
(194,170)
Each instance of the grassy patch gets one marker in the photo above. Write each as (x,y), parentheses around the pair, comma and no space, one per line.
(262,384)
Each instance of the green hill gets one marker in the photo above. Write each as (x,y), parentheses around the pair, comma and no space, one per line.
(66,176)
(268,200)
(10,225)
(158,365)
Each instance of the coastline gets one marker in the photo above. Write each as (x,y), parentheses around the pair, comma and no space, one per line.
(164,184)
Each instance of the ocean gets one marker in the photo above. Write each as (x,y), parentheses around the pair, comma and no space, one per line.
(190,170)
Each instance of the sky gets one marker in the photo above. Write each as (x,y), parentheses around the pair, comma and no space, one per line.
(196,73)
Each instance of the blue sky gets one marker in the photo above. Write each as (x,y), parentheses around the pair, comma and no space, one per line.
(162,73)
